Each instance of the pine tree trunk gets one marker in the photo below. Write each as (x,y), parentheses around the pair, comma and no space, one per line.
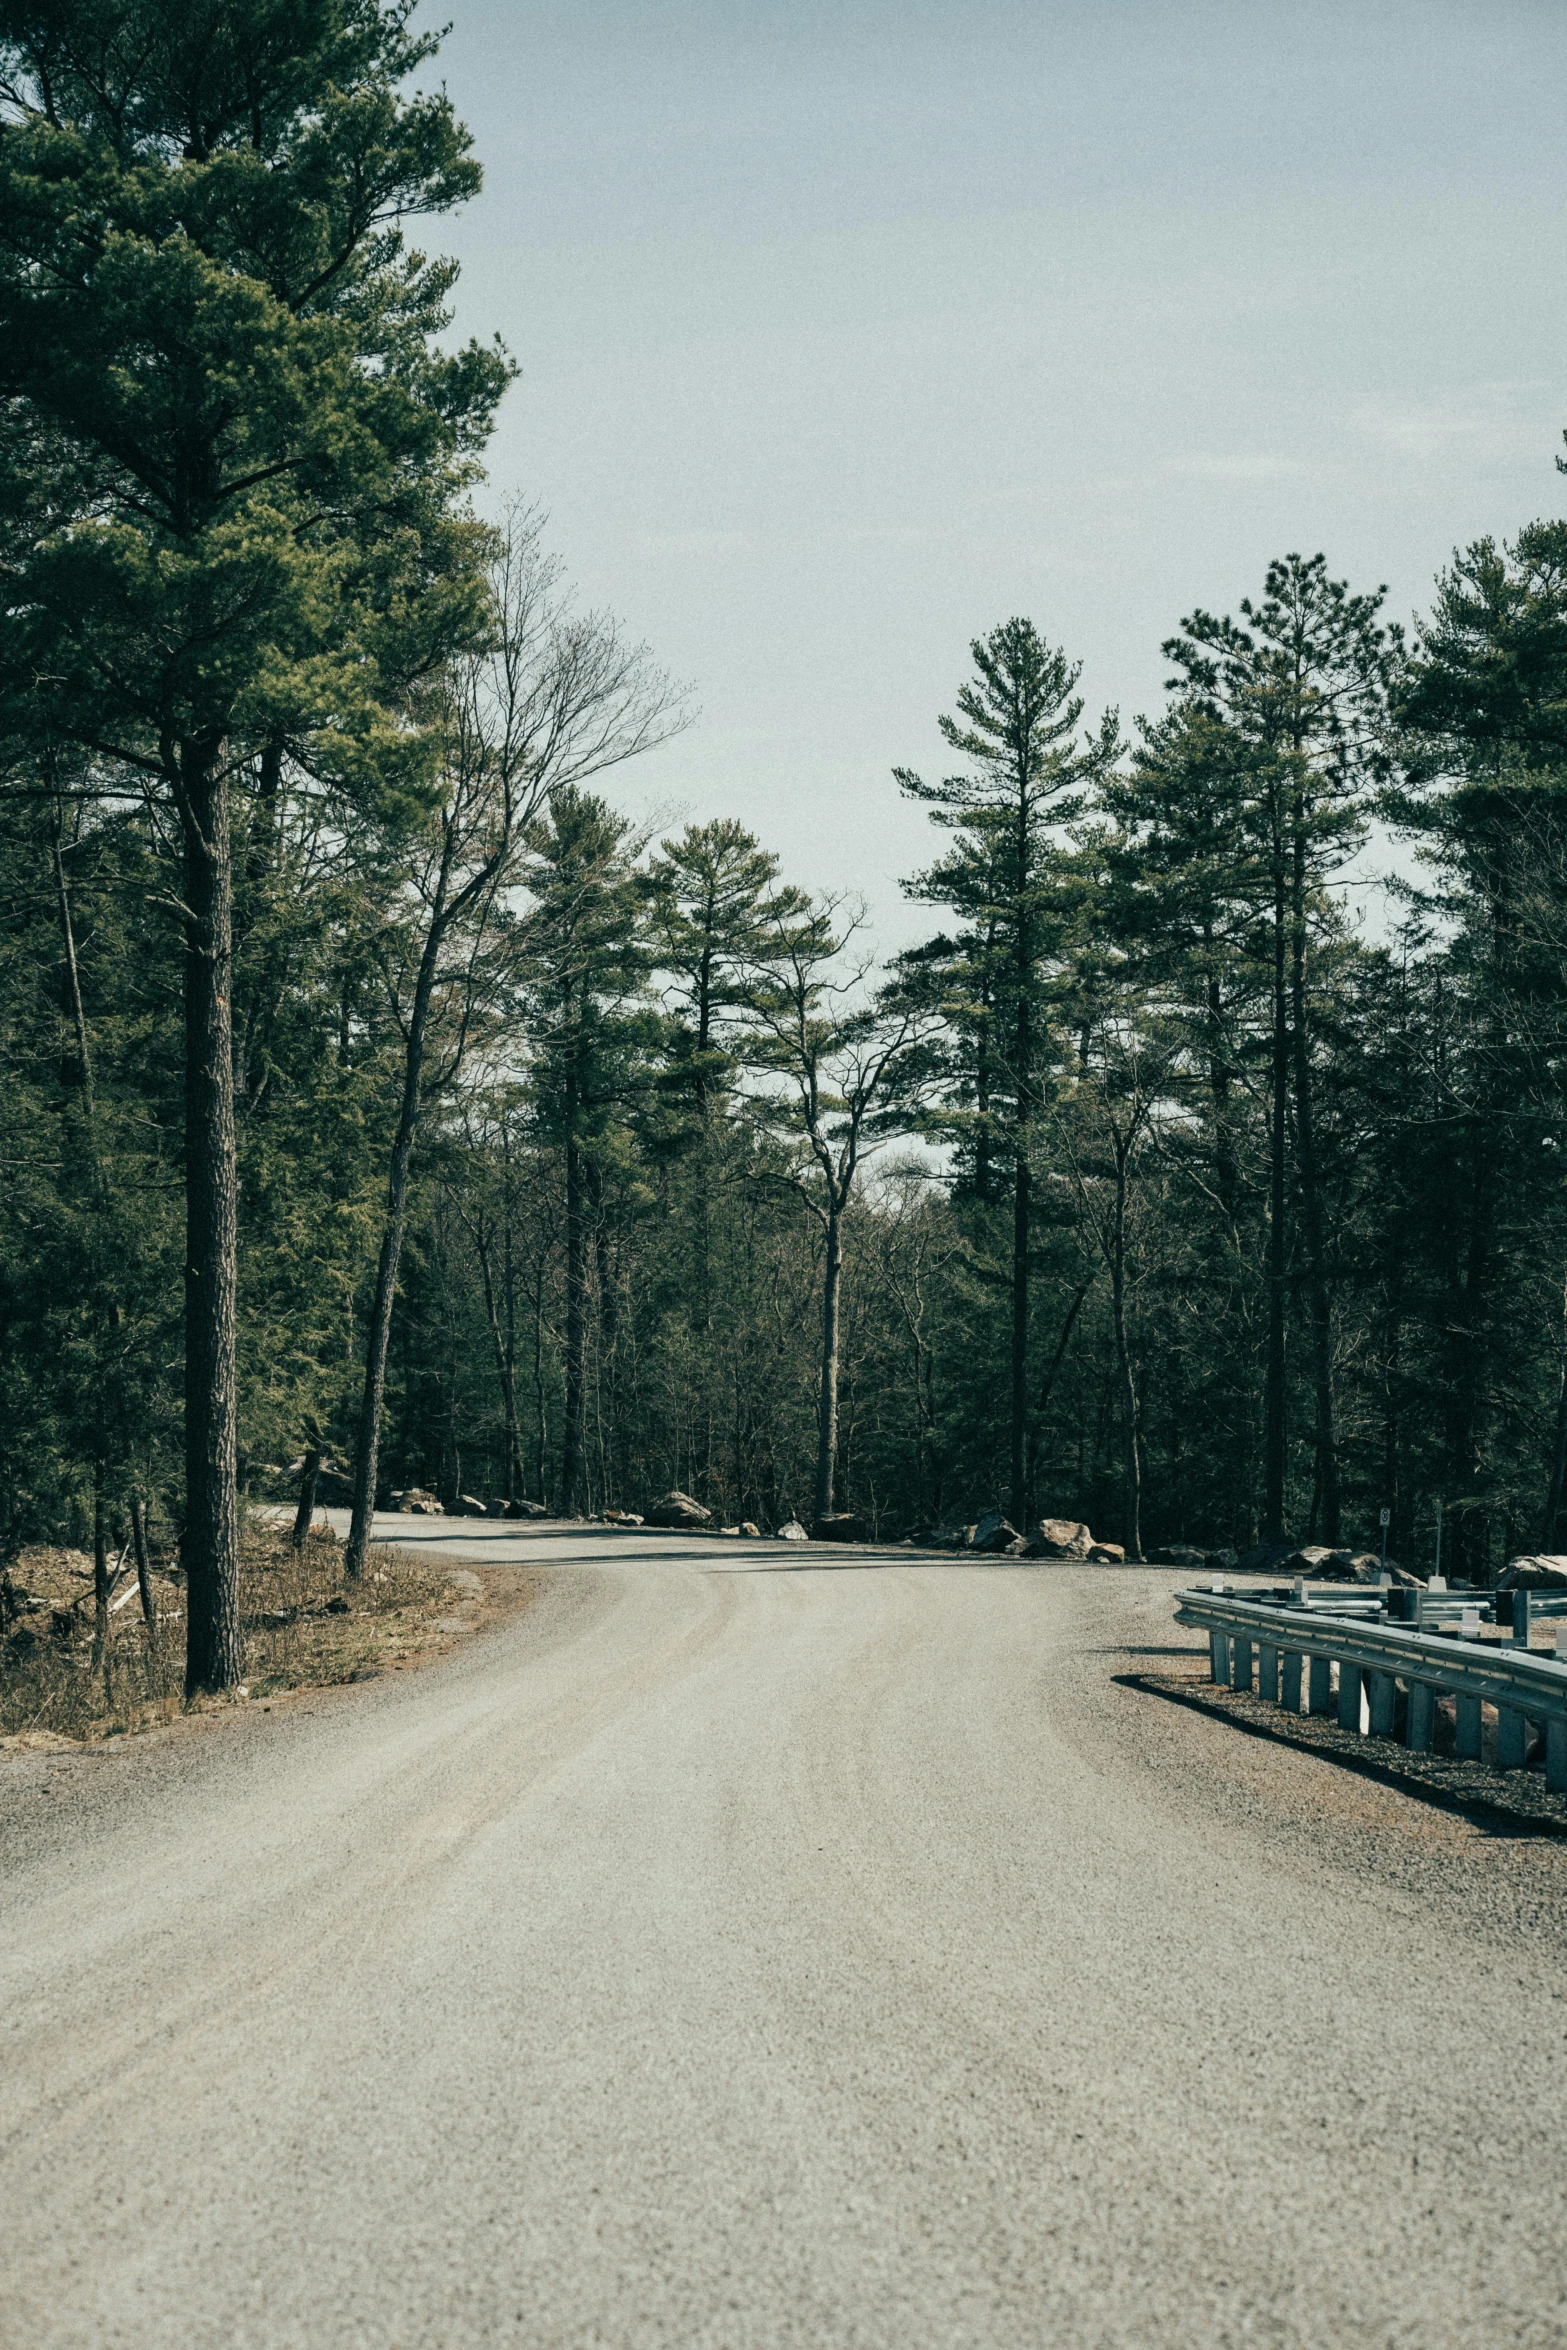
(210,1541)
(1019,1447)
(368,1451)
(1132,1473)
(1023,1080)
(73,985)
(1327,1479)
(827,1405)
(505,1364)
(541,1427)
(1226,1174)
(609,1353)
(149,1606)
(1392,1344)
(100,1593)
(1469,1385)
(310,1471)
(509,1357)
(984,1174)
(573,1466)
(1274,1429)
(1558,1483)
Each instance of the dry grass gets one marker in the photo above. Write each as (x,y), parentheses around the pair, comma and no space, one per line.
(303,1628)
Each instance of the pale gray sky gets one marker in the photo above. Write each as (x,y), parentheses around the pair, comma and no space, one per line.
(847,332)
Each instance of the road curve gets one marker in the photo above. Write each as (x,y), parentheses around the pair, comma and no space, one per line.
(747,1948)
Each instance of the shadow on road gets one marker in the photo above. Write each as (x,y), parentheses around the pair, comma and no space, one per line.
(1495,1820)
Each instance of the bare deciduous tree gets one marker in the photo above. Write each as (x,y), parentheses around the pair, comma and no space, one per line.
(846,1063)
(556,698)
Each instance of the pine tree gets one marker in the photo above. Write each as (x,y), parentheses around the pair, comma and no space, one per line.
(1305,681)
(226,362)
(1484,712)
(1028,774)
(592,1028)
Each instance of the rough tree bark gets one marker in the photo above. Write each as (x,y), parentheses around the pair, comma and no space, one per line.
(100,1592)
(503,1340)
(573,1460)
(1558,1481)
(210,1540)
(1132,1468)
(1274,1424)
(1023,1081)
(367,1452)
(309,1476)
(1318,1297)
(149,1607)
(827,1404)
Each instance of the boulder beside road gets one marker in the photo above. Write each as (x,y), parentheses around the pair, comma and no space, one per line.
(840,1526)
(1546,1571)
(996,1537)
(1060,1538)
(678,1510)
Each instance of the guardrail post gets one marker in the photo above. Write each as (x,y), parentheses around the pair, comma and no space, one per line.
(1466,1745)
(1384,1697)
(1290,1699)
(1422,1717)
(1348,1697)
(1219,1651)
(1556,1757)
(1319,1684)
(1240,1663)
(1512,1738)
(1268,1671)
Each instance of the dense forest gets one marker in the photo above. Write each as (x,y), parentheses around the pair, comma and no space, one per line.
(375,1095)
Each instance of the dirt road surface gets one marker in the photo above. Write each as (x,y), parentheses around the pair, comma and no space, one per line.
(749,1946)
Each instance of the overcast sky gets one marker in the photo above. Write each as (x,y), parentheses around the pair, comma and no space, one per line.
(848,332)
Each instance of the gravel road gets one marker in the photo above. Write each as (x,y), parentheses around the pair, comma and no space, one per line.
(747,1948)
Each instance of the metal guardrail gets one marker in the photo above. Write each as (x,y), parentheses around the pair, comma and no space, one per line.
(1533,1607)
(1287,1645)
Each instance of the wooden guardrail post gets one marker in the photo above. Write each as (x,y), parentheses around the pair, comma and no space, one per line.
(1319,1690)
(1219,1656)
(1268,1671)
(1240,1663)
(1556,1757)
(1290,1694)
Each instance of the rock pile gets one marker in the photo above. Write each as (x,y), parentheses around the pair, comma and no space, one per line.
(414,1502)
(1314,1562)
(1061,1538)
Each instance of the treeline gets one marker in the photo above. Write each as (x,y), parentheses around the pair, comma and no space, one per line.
(373,1093)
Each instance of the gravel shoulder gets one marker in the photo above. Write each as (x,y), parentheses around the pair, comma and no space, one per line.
(736,1948)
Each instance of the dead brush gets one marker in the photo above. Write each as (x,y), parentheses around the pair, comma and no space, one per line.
(303,1626)
(52,1680)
